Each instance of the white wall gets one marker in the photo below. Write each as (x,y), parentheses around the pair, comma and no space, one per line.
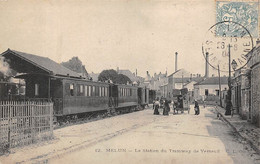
(178,85)
(199,90)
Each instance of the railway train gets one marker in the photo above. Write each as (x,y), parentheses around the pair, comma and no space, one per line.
(71,94)
(79,96)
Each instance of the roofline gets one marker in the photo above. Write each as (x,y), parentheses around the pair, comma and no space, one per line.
(11,51)
(61,77)
(174,72)
(35,64)
(212,84)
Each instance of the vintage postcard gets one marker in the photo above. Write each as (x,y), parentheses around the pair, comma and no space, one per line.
(130,81)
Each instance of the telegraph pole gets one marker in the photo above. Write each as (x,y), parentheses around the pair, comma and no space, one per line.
(229,103)
(219,82)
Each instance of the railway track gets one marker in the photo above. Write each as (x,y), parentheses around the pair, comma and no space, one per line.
(93,116)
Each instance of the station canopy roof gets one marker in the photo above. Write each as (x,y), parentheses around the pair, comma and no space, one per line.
(32,64)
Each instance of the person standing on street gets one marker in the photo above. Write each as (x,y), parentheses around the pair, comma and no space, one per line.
(197,108)
(156,107)
(166,108)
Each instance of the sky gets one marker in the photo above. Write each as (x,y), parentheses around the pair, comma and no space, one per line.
(142,35)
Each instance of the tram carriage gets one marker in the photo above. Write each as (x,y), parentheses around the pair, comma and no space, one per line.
(70,93)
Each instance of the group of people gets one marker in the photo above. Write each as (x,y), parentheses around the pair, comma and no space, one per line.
(165,104)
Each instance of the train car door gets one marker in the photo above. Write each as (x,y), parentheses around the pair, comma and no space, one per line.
(139,93)
(113,94)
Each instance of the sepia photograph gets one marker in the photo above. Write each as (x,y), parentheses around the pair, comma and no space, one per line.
(129,81)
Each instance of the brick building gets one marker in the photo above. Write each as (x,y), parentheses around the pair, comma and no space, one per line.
(254,65)
(241,93)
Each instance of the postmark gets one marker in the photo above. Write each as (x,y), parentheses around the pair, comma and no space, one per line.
(227,44)
(245,13)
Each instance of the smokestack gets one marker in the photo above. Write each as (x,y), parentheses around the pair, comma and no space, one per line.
(207,65)
(176,62)
(136,72)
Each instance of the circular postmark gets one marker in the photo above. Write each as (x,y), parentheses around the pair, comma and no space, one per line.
(227,42)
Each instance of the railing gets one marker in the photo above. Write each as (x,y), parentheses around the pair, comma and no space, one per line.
(24,122)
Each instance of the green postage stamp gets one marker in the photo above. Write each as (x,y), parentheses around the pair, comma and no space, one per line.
(245,13)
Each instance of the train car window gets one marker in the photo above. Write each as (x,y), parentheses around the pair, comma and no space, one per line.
(103,92)
(37,86)
(71,89)
(89,90)
(86,90)
(100,91)
(81,89)
(93,91)
(106,91)
(97,90)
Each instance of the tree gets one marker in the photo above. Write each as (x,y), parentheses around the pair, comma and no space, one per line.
(114,76)
(75,65)
(123,79)
(108,75)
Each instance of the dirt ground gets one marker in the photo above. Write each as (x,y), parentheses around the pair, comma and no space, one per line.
(142,137)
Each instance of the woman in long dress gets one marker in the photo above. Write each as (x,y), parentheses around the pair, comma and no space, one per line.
(166,108)
(156,107)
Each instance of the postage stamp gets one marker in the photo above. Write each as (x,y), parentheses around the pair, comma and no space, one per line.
(245,13)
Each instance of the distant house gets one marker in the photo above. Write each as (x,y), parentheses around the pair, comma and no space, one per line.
(94,76)
(132,76)
(181,79)
(209,86)
(75,65)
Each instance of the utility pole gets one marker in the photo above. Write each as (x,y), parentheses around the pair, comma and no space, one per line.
(229,93)
(219,82)
(229,67)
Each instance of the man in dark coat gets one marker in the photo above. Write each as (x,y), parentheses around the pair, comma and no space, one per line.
(197,108)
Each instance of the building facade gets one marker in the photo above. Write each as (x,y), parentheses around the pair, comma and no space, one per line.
(254,67)
(209,87)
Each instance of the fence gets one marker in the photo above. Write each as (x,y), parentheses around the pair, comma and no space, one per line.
(24,122)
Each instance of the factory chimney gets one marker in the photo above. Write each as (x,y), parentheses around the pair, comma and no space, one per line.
(207,65)
(176,61)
